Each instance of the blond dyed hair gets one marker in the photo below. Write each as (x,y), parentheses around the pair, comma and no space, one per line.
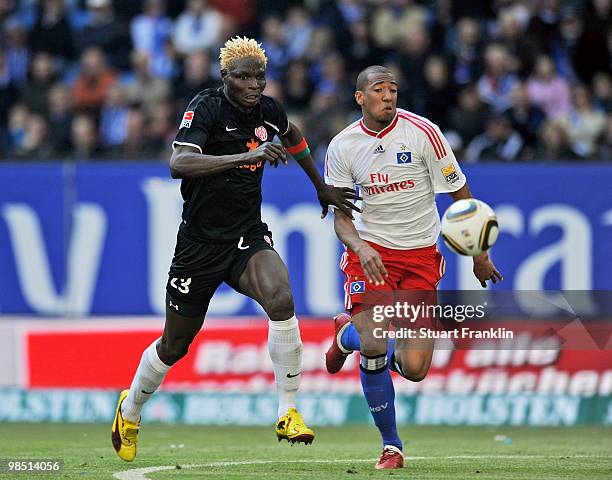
(241,47)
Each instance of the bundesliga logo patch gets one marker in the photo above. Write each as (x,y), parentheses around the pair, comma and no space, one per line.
(450,174)
(403,157)
(357,287)
(187,119)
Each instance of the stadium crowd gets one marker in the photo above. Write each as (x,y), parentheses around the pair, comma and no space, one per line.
(506,80)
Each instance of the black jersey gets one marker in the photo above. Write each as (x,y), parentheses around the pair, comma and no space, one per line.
(223,206)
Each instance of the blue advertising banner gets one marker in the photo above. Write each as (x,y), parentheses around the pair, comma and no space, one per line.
(98,239)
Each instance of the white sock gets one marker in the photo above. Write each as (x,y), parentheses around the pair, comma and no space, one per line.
(149,376)
(285,347)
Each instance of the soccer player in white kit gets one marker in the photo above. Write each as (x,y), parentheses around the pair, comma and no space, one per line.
(400,161)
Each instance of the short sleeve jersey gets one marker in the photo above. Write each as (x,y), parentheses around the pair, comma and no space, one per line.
(223,206)
(398,171)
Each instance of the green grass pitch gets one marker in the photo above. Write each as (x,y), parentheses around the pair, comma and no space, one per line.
(337,453)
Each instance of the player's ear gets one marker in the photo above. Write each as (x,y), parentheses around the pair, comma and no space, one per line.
(223,73)
(359,97)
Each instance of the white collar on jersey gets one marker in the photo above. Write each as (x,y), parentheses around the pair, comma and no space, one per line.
(383,132)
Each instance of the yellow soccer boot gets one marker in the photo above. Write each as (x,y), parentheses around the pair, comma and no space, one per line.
(124,433)
(291,427)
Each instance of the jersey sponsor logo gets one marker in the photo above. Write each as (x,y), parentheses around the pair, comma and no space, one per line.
(379,149)
(392,187)
(403,158)
(184,284)
(252,144)
(261,133)
(172,305)
(187,119)
(357,287)
(252,166)
(450,174)
(228,129)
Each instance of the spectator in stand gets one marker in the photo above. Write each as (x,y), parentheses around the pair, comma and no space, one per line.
(496,84)
(545,23)
(298,87)
(333,84)
(113,117)
(144,88)
(17,51)
(104,30)
(93,81)
(321,44)
(60,116)
(16,128)
(602,92)
(440,94)
(198,27)
(469,118)
(36,143)
(273,42)
(513,36)
(362,52)
(592,52)
(394,21)
(136,145)
(466,58)
(196,77)
(554,144)
(526,118)
(35,93)
(548,90)
(84,139)
(8,91)
(151,32)
(51,32)
(412,58)
(298,29)
(162,128)
(499,142)
(584,124)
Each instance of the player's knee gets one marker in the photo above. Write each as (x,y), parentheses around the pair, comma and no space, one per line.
(413,371)
(279,305)
(171,352)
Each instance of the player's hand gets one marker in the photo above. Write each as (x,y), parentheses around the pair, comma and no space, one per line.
(340,197)
(485,270)
(266,152)
(372,264)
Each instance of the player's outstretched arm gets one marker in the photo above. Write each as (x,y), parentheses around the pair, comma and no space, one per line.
(328,195)
(188,162)
(484,269)
(370,260)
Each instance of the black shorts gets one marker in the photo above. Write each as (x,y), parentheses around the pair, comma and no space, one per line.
(199,268)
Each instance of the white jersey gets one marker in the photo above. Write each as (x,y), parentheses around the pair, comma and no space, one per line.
(398,171)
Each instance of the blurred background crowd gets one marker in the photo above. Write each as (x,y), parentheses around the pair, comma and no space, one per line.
(506,80)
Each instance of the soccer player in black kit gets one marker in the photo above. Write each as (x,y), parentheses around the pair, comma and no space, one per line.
(223,143)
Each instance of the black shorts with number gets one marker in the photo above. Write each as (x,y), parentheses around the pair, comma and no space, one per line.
(198,268)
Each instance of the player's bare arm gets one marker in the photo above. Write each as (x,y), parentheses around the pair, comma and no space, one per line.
(327,194)
(484,269)
(369,258)
(188,162)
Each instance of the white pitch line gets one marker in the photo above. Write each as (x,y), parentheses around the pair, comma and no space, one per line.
(140,473)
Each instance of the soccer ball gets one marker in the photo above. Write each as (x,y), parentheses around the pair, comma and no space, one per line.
(469,227)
